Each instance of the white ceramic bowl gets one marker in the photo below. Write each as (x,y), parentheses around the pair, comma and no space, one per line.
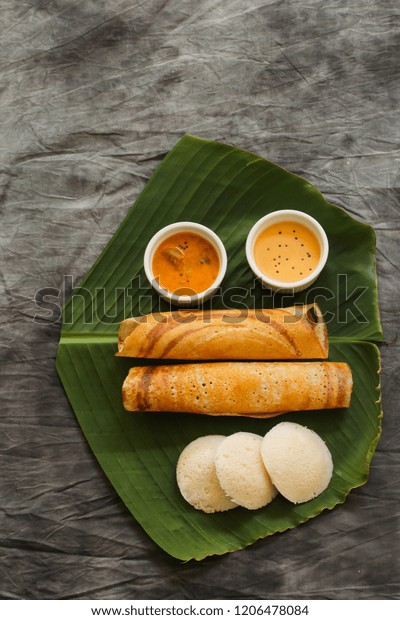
(287,215)
(167,231)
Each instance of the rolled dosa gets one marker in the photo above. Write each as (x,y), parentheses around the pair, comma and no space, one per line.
(297,332)
(254,389)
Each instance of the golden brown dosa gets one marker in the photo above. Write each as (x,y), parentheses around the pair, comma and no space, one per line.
(297,332)
(255,389)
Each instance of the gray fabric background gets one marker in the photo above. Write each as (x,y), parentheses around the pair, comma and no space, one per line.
(93,94)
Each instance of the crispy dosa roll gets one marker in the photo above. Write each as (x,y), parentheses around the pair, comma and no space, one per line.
(254,389)
(298,332)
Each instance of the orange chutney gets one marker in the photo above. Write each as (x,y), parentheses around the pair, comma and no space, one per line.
(185,263)
(287,251)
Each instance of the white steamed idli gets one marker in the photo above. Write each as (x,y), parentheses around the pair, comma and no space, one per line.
(196,476)
(241,471)
(298,461)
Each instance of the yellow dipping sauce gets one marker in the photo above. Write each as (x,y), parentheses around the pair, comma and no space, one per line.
(185,264)
(287,251)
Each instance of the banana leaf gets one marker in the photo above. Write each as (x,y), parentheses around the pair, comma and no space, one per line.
(228,190)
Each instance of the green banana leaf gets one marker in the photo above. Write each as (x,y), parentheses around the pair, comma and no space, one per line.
(228,190)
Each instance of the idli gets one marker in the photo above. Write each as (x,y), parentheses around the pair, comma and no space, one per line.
(241,471)
(196,476)
(298,461)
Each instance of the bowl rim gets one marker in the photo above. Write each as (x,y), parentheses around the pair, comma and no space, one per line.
(282,215)
(167,231)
